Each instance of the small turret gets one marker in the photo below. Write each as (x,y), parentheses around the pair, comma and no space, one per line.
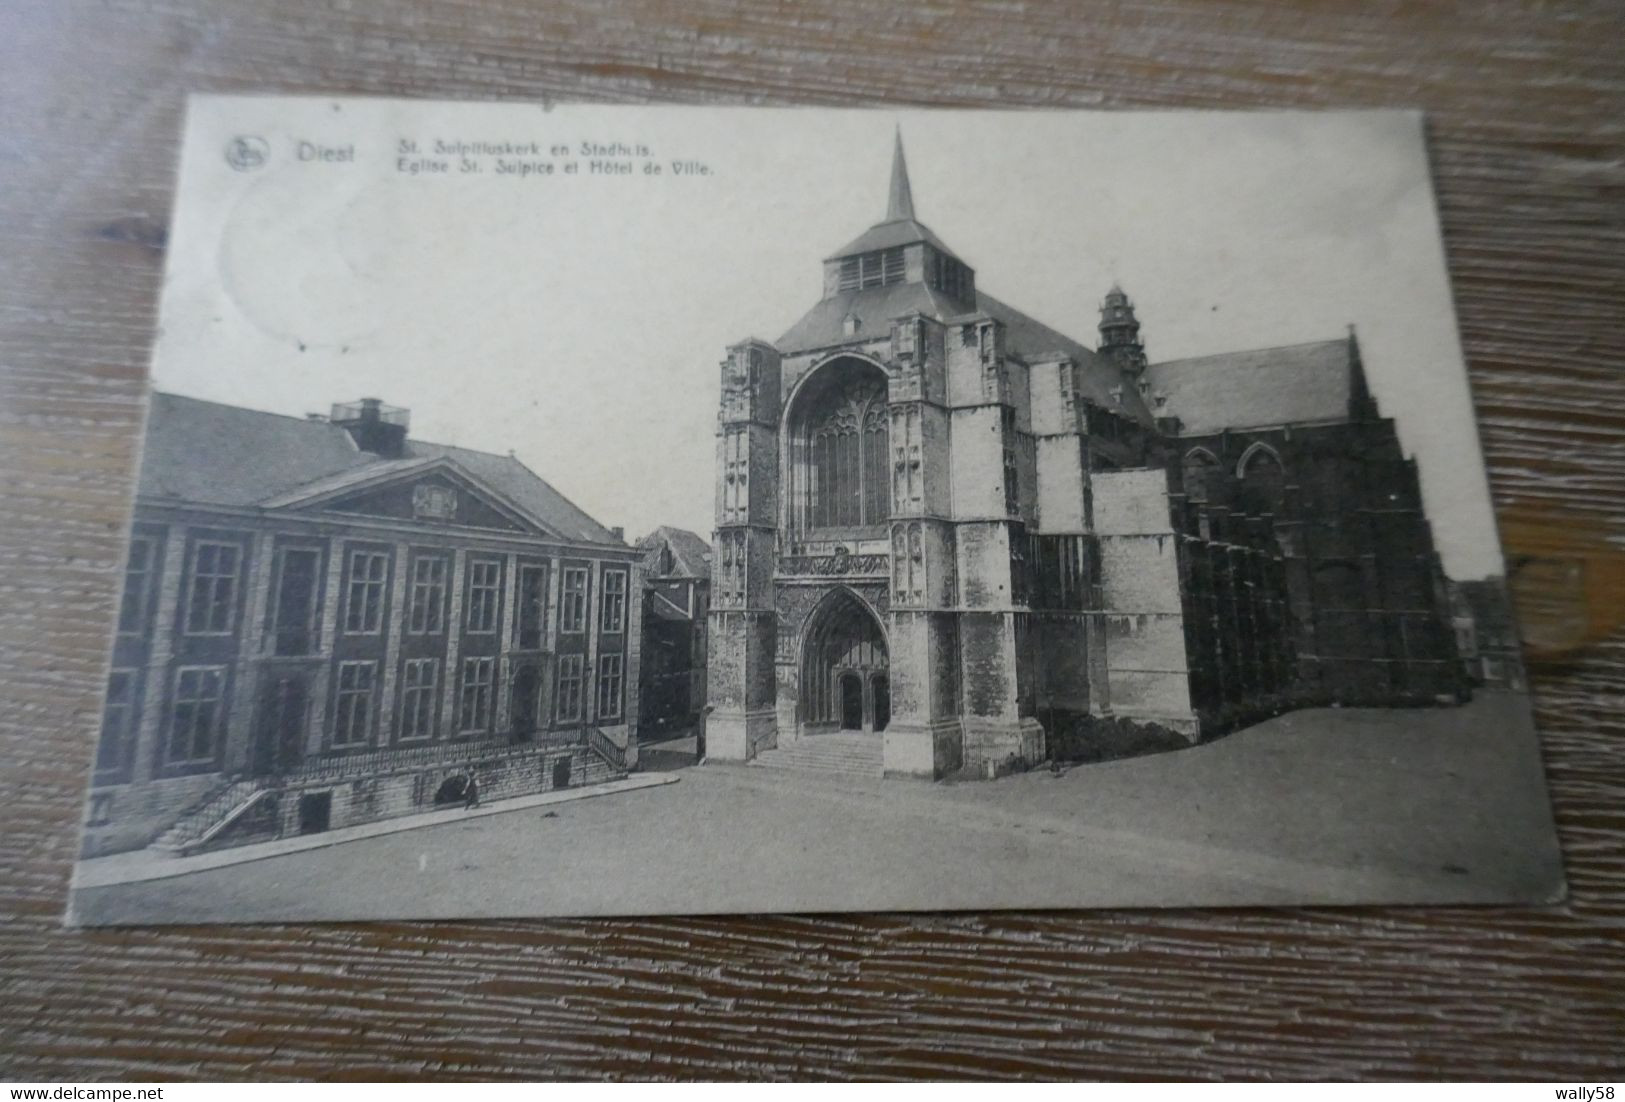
(1120,333)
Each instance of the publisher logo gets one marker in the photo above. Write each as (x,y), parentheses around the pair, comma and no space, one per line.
(246,152)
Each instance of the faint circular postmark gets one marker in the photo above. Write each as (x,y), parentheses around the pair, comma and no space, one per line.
(246,152)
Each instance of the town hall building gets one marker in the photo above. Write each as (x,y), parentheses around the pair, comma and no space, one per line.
(326,622)
(951,538)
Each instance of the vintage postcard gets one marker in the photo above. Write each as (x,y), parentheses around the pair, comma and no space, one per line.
(629,510)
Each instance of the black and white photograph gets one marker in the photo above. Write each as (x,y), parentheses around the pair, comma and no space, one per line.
(589,510)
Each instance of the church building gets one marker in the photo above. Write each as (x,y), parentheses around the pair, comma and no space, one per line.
(950,538)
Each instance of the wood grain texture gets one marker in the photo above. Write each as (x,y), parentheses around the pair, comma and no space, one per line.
(1529,150)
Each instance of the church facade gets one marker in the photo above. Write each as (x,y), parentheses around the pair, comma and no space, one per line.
(963,541)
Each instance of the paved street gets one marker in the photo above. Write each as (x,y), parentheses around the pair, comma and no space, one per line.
(1335,805)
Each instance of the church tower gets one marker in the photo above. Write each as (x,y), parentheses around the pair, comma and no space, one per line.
(1120,334)
(876,504)
(742,622)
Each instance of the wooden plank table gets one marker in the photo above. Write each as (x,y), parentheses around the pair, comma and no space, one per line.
(1526,104)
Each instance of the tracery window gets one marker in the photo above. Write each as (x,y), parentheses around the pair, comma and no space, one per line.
(846,477)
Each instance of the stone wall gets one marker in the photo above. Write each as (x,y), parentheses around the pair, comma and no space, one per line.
(1142,619)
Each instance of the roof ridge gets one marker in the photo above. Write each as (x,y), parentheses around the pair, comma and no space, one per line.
(297,454)
(301,419)
(1001,304)
(1250,351)
(562,496)
(674,528)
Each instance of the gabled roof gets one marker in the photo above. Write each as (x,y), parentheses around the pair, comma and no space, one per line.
(886,235)
(874,307)
(691,555)
(215,454)
(1026,338)
(1293,384)
(520,485)
(351,478)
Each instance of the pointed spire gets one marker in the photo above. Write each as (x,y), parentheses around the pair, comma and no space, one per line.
(900,203)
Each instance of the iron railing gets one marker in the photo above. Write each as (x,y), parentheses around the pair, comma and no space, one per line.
(606,748)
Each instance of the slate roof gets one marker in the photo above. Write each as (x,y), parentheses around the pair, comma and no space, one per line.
(691,555)
(1025,338)
(1293,384)
(886,235)
(215,454)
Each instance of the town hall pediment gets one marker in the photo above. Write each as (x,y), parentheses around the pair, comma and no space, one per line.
(434,492)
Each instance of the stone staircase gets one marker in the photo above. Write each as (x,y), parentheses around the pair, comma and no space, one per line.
(595,760)
(195,829)
(848,755)
(590,767)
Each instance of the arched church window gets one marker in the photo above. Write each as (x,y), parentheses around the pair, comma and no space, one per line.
(1263,480)
(843,473)
(1200,468)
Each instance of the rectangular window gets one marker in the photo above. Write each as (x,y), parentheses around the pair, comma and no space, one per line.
(573,602)
(427,614)
(474,699)
(417,697)
(118,716)
(139,570)
(609,686)
(196,719)
(212,601)
(569,694)
(293,610)
(612,620)
(484,594)
(352,717)
(532,606)
(364,593)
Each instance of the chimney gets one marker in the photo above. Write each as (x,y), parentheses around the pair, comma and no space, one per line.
(619,533)
(374,427)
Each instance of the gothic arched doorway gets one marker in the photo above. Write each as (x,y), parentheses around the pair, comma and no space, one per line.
(844,684)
